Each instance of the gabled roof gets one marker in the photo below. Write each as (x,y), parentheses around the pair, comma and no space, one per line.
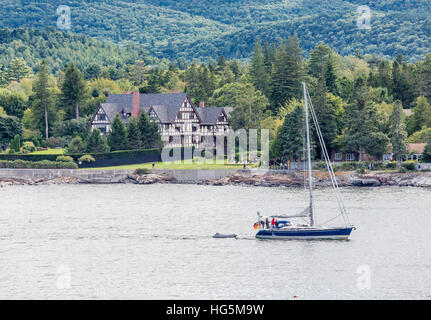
(417,147)
(209,115)
(111,109)
(166,105)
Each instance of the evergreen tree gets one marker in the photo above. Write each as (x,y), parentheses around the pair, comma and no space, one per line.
(96,142)
(133,134)
(13,102)
(9,128)
(43,99)
(145,130)
(73,91)
(93,71)
(397,131)
(330,76)
(424,77)
(117,138)
(293,135)
(363,130)
(384,77)
(260,77)
(427,152)
(326,114)
(421,114)
(3,76)
(402,87)
(155,137)
(319,59)
(288,73)
(18,70)
(77,145)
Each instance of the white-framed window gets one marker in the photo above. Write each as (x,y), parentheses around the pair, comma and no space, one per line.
(338,156)
(350,156)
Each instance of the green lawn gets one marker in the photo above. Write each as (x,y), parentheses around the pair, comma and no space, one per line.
(50,151)
(173,166)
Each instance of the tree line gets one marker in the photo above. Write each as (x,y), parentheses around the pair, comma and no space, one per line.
(363,103)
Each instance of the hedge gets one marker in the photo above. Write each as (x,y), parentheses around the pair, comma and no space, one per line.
(96,156)
(44,164)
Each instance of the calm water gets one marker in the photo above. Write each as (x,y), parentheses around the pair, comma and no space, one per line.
(154,242)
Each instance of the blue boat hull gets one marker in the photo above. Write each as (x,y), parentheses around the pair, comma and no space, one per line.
(306,233)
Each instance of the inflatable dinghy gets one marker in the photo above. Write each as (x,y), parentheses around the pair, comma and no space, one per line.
(223,236)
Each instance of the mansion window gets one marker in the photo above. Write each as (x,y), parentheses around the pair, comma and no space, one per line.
(338,156)
(102,117)
(350,156)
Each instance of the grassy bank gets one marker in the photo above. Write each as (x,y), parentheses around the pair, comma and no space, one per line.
(173,166)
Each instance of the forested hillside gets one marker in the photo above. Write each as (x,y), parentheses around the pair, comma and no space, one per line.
(59,48)
(203,29)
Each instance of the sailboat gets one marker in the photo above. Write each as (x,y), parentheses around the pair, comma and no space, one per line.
(278,227)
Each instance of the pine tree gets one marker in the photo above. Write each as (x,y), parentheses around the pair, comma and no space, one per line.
(384,77)
(427,152)
(424,77)
(397,131)
(363,122)
(421,114)
(155,140)
(260,77)
(133,134)
(43,97)
(326,114)
(402,87)
(319,60)
(117,138)
(18,70)
(73,90)
(96,142)
(330,76)
(145,129)
(77,145)
(288,73)
(292,135)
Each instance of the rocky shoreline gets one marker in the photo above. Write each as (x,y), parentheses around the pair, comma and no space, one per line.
(321,179)
(248,178)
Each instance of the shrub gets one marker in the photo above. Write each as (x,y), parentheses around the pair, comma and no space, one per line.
(86,158)
(77,145)
(44,164)
(349,166)
(15,144)
(391,165)
(28,147)
(410,165)
(402,170)
(64,159)
(53,142)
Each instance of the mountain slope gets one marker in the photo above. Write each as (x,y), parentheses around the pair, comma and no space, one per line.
(203,28)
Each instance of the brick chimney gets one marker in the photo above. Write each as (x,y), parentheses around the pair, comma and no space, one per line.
(135,110)
(202,104)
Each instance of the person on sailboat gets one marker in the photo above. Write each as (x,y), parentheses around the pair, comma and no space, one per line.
(273,223)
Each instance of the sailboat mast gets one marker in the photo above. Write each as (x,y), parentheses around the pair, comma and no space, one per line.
(310,177)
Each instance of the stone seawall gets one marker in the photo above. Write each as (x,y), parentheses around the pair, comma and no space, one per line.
(253,177)
(110,176)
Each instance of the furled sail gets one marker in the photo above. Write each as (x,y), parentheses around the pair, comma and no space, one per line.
(304,213)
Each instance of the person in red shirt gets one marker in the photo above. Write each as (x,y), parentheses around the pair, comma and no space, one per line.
(273,223)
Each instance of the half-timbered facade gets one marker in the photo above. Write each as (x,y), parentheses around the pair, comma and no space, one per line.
(181,124)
